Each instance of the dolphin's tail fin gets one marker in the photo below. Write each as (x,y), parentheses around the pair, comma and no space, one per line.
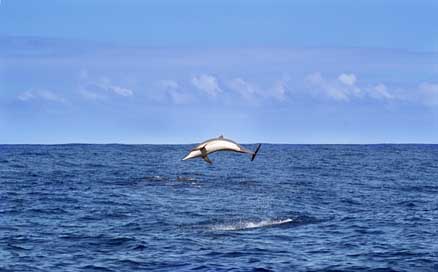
(255,152)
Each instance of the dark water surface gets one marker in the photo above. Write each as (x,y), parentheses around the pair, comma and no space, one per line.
(295,208)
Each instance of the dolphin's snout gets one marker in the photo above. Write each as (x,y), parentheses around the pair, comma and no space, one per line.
(188,156)
(192,154)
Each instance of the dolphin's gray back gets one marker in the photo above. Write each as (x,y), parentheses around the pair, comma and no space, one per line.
(220,138)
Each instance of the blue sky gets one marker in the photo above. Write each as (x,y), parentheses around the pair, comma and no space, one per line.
(181,71)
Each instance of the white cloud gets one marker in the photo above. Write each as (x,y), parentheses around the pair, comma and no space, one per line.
(337,93)
(41,95)
(28,95)
(207,84)
(343,88)
(251,92)
(347,79)
(174,92)
(120,90)
(380,91)
(243,88)
(279,90)
(105,84)
(96,89)
(329,88)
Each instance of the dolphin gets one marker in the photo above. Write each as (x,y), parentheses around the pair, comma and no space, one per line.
(218,144)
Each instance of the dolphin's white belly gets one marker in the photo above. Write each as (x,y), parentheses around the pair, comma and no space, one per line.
(221,145)
(193,154)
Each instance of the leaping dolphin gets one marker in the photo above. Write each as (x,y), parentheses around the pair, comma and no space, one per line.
(218,144)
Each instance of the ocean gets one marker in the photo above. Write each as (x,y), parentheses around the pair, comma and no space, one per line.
(114,207)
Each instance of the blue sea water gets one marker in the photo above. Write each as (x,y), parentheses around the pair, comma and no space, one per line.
(295,208)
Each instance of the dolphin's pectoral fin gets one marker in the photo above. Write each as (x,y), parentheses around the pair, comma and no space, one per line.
(204,155)
(207,159)
(200,147)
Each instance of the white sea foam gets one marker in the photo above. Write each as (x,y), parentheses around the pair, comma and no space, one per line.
(242,225)
(180,178)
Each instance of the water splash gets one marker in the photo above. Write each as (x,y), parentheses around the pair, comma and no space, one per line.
(185,179)
(242,225)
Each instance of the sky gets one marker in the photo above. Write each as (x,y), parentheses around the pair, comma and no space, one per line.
(181,71)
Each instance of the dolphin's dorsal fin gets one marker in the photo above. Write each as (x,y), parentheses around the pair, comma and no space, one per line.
(221,136)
